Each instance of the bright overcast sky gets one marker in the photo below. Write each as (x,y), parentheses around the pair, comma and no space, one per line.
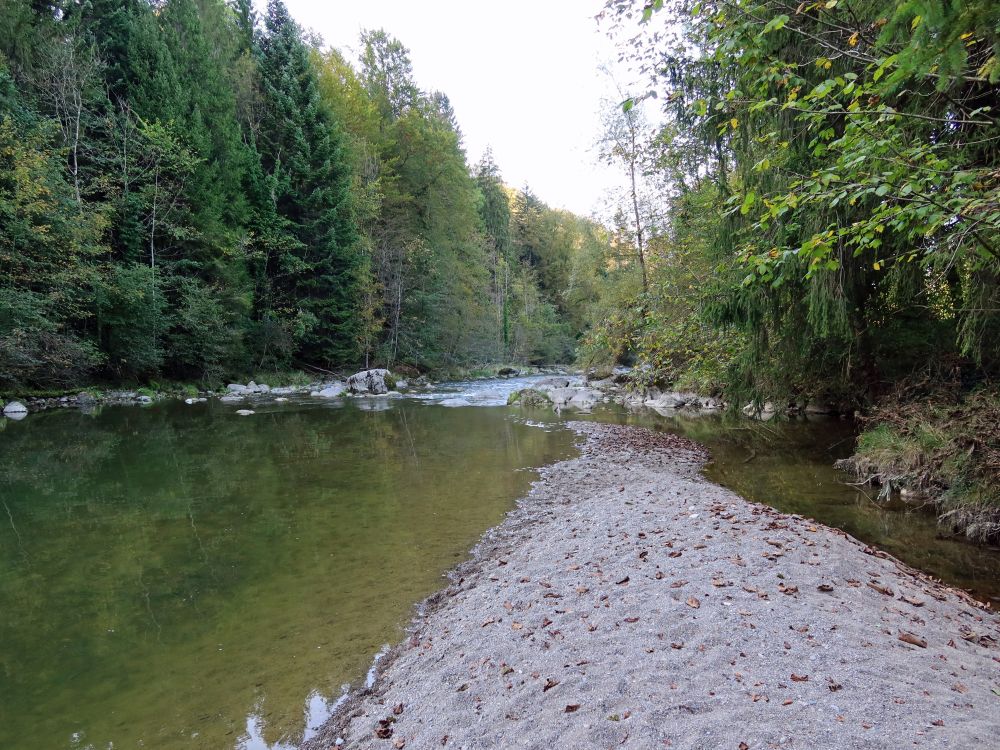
(522,75)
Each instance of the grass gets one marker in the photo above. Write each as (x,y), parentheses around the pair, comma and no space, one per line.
(945,443)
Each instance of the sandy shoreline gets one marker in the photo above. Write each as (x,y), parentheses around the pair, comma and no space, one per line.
(629,602)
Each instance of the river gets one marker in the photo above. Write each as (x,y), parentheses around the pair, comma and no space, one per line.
(178,576)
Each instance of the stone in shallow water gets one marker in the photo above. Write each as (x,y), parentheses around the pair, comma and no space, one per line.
(330,391)
(371,381)
(15,410)
(245,412)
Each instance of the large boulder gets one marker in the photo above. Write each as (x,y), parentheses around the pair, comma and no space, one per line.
(548,384)
(375,382)
(585,398)
(529,397)
(236,388)
(561,396)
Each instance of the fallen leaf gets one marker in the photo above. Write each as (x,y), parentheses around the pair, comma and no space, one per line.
(675,553)
(399,743)
(677,645)
(516,626)
(631,619)
(693,602)
(912,600)
(677,584)
(549,684)
(622,582)
(572,707)
(743,746)
(880,588)
(800,677)
(659,575)
(398,708)
(938,722)
(825,587)
(384,730)
(787,702)
(912,639)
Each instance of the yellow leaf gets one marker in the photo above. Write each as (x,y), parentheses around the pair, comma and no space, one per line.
(916,22)
(966,35)
(853,40)
(877,265)
(827,65)
(734,123)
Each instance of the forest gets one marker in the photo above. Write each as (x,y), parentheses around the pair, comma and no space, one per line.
(818,218)
(191,190)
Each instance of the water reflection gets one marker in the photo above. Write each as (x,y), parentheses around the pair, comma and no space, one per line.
(180,577)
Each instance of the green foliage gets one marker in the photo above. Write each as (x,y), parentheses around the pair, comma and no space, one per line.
(854,155)
(190,191)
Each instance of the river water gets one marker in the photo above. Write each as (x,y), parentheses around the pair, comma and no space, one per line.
(181,577)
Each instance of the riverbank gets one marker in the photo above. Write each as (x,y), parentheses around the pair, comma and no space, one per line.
(629,602)
(290,383)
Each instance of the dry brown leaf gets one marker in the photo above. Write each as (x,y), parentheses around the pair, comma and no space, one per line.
(622,582)
(800,677)
(398,708)
(572,707)
(693,602)
(880,588)
(631,619)
(912,639)
(549,684)
(912,600)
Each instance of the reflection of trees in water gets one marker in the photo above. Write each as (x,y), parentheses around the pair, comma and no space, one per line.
(194,555)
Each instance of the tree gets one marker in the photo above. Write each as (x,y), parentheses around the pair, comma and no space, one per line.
(312,270)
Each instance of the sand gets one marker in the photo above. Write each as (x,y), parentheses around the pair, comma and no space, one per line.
(629,602)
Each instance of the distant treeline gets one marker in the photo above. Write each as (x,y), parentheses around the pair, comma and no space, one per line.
(190,191)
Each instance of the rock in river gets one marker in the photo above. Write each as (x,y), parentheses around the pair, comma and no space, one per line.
(15,410)
(331,391)
(371,381)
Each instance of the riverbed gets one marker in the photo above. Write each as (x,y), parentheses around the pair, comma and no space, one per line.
(178,576)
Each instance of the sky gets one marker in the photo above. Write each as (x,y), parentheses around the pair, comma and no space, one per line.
(522,75)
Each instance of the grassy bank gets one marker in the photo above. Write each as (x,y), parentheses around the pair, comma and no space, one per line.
(943,445)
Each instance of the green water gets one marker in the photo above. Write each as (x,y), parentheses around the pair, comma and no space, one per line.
(181,577)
